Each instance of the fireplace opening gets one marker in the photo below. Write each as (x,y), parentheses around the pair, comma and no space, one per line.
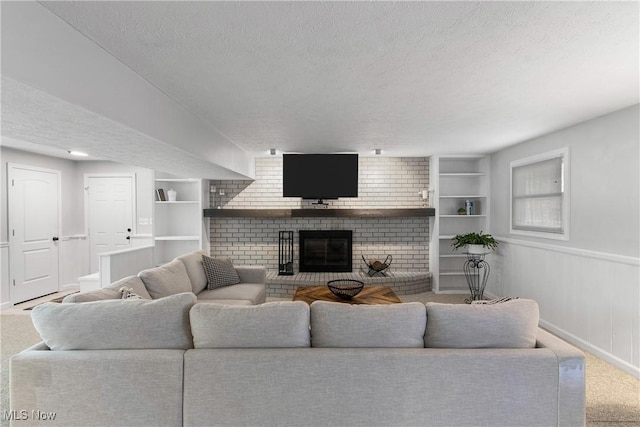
(325,251)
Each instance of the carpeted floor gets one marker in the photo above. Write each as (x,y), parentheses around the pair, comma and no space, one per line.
(613,396)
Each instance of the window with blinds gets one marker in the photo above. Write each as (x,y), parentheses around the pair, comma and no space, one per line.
(539,195)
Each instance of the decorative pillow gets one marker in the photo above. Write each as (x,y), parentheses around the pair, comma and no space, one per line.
(219,272)
(116,324)
(336,324)
(128,294)
(132,282)
(269,325)
(168,279)
(193,264)
(513,324)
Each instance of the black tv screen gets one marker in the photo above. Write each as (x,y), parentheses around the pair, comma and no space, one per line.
(320,176)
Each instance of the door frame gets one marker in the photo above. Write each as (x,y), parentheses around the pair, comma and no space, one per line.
(11,213)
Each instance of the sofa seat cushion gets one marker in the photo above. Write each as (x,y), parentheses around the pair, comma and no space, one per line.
(193,264)
(254,292)
(168,279)
(511,324)
(116,324)
(336,324)
(283,324)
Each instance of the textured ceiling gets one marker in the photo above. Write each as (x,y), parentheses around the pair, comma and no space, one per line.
(411,78)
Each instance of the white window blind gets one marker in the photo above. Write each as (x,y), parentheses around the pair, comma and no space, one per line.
(538,196)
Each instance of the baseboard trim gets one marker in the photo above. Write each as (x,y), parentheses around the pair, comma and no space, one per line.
(596,351)
(5,306)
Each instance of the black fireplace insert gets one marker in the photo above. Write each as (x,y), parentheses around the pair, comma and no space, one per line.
(325,251)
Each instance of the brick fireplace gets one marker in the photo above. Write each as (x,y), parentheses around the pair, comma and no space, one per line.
(384,183)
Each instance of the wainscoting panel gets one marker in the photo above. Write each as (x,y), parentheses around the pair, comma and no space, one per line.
(590,299)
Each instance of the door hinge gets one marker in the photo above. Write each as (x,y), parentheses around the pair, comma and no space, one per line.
(13,232)
(13,183)
(14,282)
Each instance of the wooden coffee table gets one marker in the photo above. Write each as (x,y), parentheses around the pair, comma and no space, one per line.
(368,295)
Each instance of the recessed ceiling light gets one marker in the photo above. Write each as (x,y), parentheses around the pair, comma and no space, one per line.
(77,153)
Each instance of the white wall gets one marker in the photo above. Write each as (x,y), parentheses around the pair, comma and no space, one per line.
(587,287)
(73,249)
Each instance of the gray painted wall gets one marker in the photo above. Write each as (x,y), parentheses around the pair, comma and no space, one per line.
(605,196)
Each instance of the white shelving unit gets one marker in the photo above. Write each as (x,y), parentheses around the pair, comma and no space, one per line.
(457,178)
(179,226)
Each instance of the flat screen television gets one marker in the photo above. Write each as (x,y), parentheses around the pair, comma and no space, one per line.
(320,176)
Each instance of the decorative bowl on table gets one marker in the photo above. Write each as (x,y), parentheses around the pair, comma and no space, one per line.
(345,288)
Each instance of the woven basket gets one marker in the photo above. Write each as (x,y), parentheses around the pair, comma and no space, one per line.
(345,288)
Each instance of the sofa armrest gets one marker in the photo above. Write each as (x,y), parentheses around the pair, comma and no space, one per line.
(251,273)
(571,378)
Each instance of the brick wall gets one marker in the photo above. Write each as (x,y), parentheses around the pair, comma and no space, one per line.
(384,182)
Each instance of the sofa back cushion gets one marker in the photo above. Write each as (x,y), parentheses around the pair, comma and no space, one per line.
(269,325)
(168,279)
(335,324)
(511,324)
(111,291)
(116,324)
(193,264)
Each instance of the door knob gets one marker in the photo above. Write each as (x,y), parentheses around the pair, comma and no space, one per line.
(128,237)
(128,230)
(55,239)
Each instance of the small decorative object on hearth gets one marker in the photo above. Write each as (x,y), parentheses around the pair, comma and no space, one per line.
(377,267)
(345,288)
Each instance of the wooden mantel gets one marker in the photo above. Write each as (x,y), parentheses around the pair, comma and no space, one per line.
(332,213)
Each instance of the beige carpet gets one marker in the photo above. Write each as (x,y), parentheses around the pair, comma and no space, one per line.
(613,396)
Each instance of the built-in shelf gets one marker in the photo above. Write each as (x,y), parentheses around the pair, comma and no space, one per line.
(300,213)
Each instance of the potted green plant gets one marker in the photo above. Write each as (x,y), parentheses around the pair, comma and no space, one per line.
(476,243)
(462,211)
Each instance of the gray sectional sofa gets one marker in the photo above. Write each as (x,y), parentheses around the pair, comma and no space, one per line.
(185,274)
(174,361)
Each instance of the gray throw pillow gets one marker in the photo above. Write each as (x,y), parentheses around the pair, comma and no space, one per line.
(512,324)
(168,279)
(116,324)
(219,272)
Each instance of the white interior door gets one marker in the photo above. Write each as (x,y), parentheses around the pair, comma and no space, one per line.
(34,208)
(110,214)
